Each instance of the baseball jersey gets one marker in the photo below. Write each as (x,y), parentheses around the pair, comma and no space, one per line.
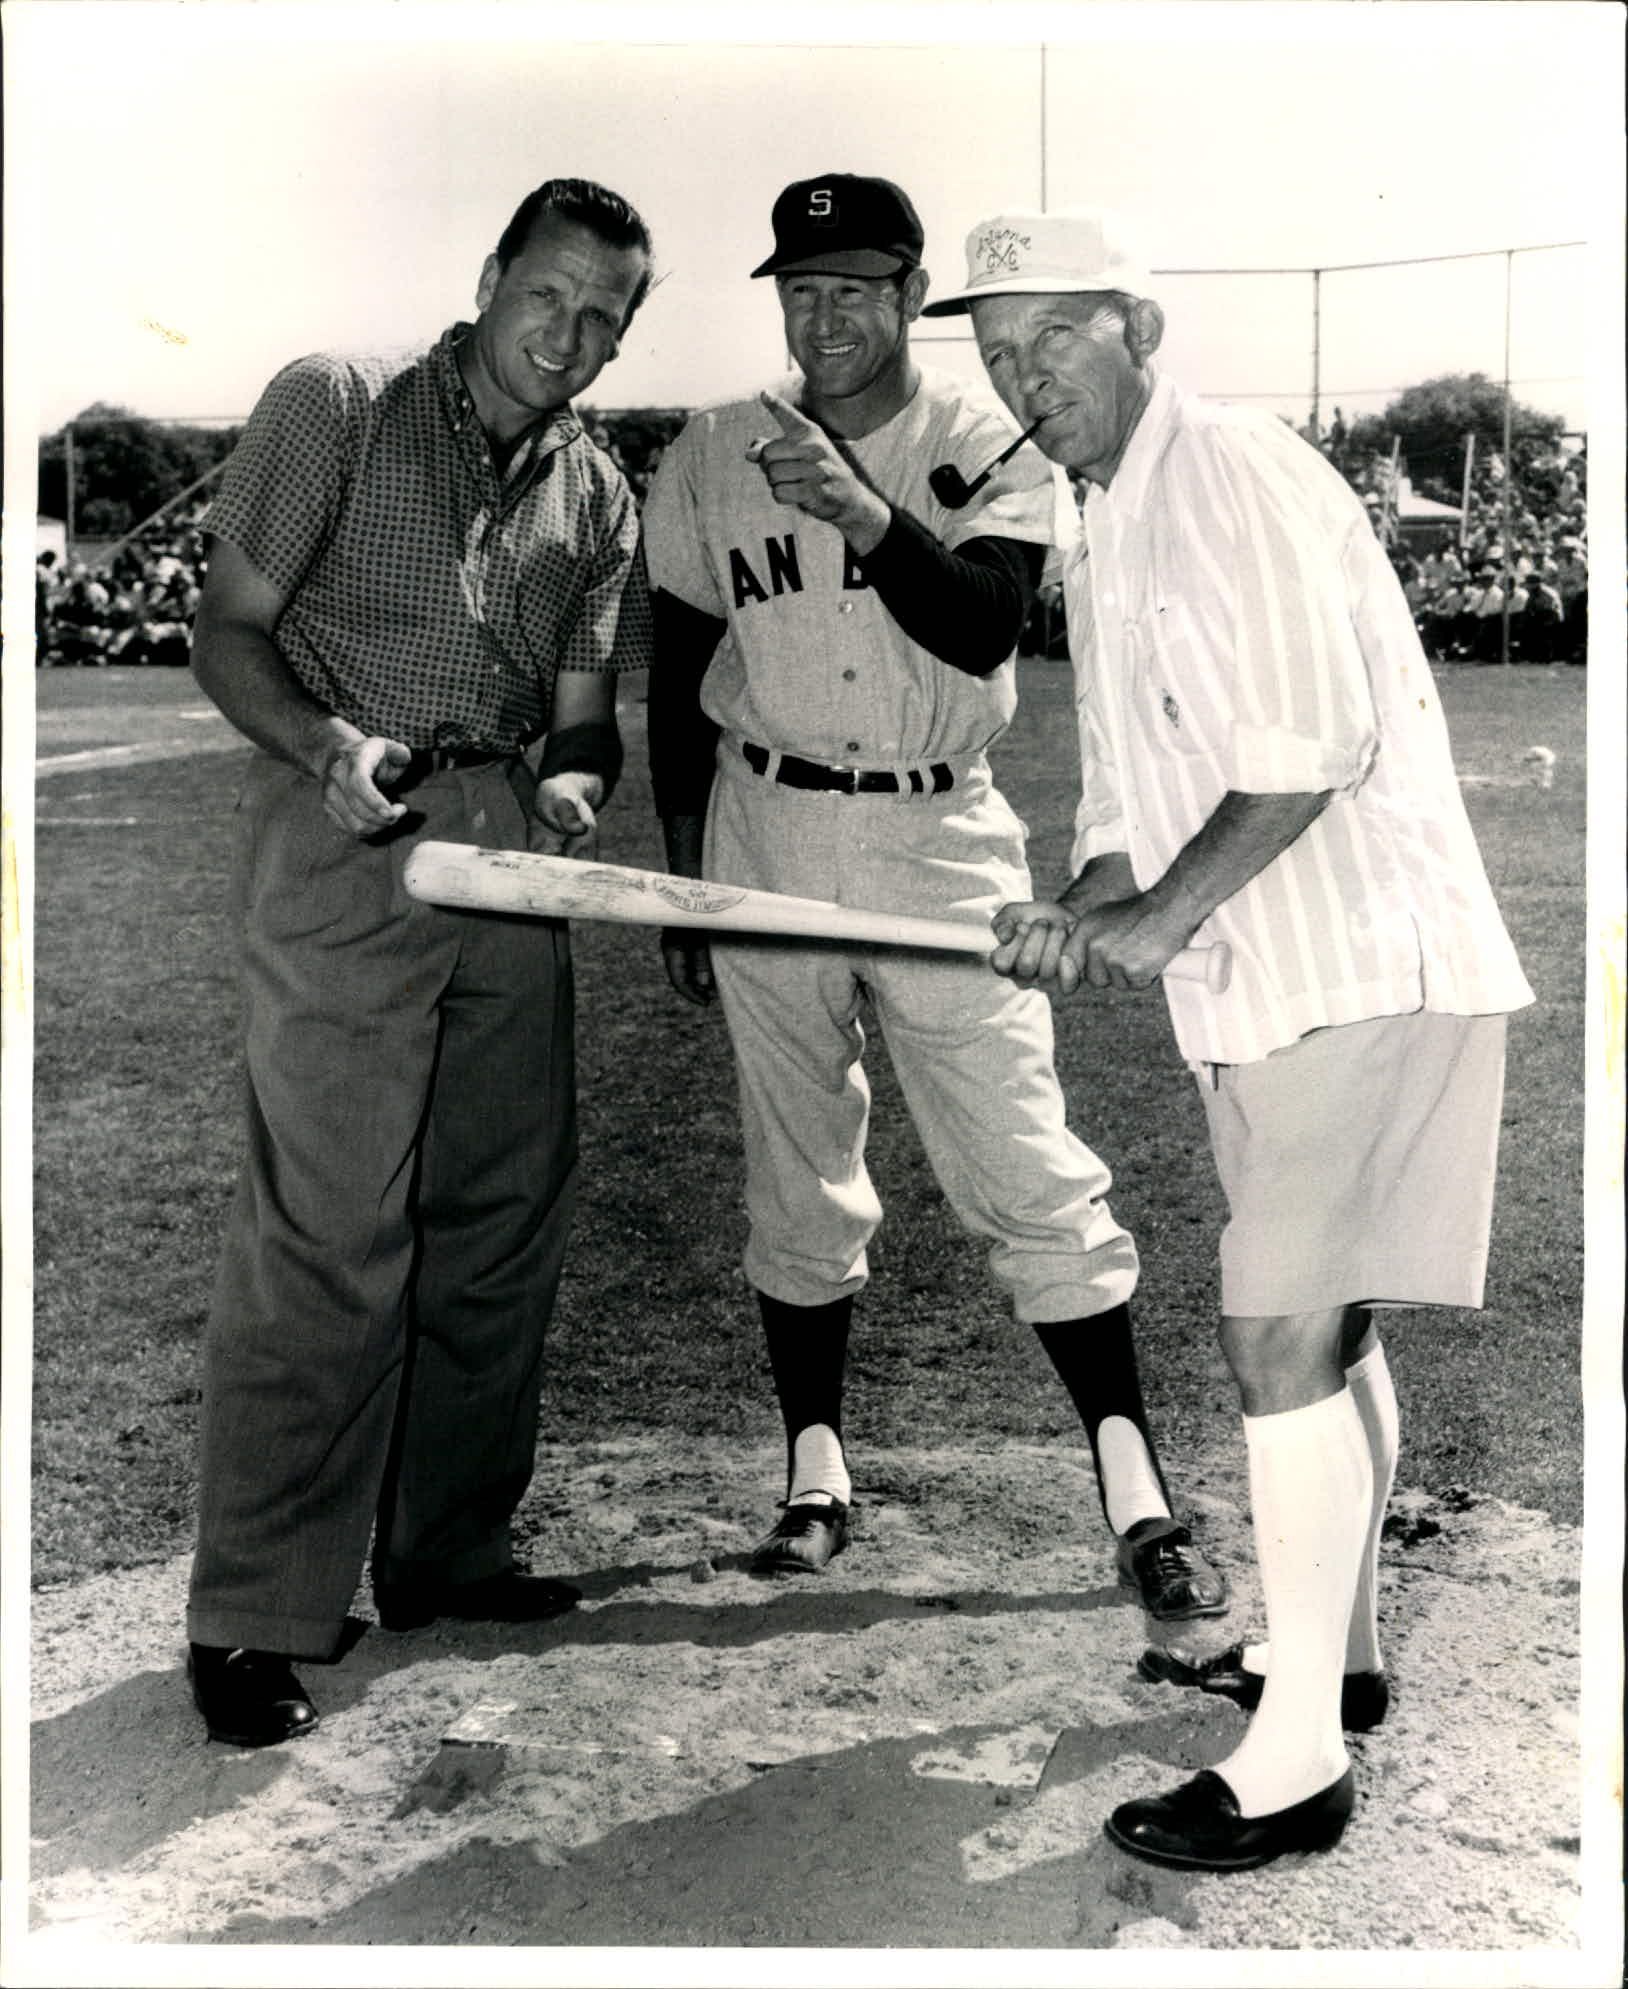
(811,662)
(1235,624)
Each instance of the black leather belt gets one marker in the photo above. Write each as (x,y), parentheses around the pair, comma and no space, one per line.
(793,772)
(438,759)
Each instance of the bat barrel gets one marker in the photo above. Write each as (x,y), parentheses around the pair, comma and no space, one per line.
(472,879)
(520,881)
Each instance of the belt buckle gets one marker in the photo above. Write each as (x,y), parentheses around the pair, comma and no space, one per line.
(847,780)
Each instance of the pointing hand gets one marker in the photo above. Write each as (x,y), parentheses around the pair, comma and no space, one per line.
(806,469)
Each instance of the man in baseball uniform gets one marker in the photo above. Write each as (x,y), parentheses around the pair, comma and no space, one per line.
(1265,765)
(833,661)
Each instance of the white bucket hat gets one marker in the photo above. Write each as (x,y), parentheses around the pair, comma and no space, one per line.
(1081,249)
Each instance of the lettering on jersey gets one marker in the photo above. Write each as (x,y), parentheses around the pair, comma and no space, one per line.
(743,580)
(780,556)
(783,564)
(784,574)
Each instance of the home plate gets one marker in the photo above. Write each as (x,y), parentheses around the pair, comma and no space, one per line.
(504,1723)
(1014,1760)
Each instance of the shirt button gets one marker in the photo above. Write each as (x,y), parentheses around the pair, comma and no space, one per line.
(849,675)
(852,746)
(845,607)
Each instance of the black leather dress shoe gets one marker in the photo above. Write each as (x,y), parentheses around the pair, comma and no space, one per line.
(1198,1826)
(1157,1557)
(804,1539)
(248,1698)
(1365,1696)
(509,1597)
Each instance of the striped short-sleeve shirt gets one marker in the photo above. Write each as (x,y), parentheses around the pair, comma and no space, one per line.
(1235,625)
(427,598)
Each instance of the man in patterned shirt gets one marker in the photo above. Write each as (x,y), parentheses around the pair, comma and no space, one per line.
(420,567)
(1266,765)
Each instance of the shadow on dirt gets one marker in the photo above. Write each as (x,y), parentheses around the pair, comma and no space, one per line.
(87,1815)
(825,1850)
(84,1817)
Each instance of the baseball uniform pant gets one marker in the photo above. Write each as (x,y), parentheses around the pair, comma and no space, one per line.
(374,1353)
(973,1052)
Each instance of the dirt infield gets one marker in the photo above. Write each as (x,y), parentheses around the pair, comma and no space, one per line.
(914,1750)
(913,1753)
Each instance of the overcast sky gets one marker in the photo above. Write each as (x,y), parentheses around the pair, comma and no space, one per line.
(198,193)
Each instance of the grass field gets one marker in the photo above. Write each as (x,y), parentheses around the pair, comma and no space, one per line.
(136,1138)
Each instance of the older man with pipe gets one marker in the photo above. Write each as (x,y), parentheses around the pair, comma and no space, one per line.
(1265,765)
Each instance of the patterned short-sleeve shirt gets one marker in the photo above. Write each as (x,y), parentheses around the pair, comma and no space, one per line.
(428,599)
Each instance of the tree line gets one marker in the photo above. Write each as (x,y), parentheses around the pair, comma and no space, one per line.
(127,466)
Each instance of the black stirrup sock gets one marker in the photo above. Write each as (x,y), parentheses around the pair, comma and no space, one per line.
(808,1353)
(1095,1358)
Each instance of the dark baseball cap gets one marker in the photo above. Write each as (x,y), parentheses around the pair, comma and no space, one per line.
(843,224)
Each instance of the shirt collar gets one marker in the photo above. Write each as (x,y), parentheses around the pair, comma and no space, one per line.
(560,427)
(1128,490)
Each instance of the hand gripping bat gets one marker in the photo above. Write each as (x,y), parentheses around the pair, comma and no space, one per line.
(502,880)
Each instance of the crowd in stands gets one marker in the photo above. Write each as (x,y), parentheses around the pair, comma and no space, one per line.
(1458,603)
(138,607)
(1456,580)
(635,441)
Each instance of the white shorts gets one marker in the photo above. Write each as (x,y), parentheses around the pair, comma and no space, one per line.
(1358,1165)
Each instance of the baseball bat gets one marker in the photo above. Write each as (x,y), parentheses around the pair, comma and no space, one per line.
(505,880)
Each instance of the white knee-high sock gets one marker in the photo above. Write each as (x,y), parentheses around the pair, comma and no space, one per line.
(1370,1384)
(1310,1486)
(1371,1390)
